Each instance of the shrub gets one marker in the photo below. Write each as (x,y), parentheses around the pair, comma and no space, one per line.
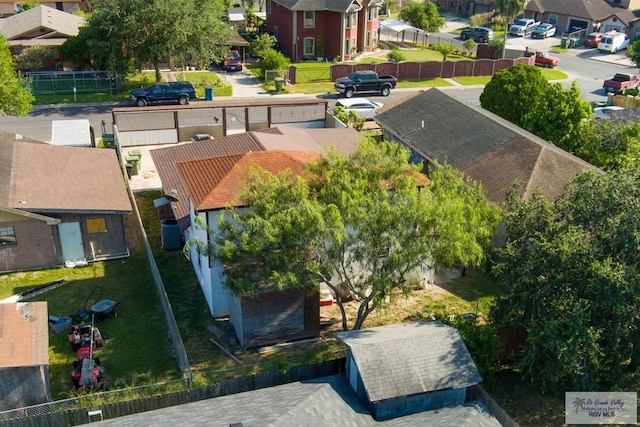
(274,60)
(395,56)
(481,340)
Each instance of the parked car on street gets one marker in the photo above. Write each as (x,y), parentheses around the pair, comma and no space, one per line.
(181,92)
(593,39)
(545,59)
(363,107)
(543,31)
(365,81)
(613,42)
(621,82)
(478,34)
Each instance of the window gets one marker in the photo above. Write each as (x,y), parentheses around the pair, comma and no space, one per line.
(7,236)
(347,20)
(268,6)
(368,38)
(372,13)
(553,20)
(309,19)
(347,47)
(354,19)
(59,6)
(96,225)
(275,32)
(309,46)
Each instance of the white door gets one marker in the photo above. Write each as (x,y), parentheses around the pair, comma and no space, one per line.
(71,241)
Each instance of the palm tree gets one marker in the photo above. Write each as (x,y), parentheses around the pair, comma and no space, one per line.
(509,9)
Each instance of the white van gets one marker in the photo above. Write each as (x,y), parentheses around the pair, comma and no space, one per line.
(613,42)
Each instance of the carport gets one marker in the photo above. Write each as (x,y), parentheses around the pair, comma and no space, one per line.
(397,27)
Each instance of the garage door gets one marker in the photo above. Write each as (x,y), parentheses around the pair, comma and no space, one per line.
(577,25)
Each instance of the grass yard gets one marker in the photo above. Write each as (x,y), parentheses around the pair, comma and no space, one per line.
(138,350)
(200,80)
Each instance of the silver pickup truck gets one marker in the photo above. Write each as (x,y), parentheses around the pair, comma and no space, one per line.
(523,27)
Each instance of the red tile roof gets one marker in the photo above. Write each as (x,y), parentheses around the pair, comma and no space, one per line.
(215,183)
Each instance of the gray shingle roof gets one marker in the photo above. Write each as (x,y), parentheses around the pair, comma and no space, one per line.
(327,401)
(487,148)
(44,178)
(588,9)
(51,21)
(330,5)
(410,358)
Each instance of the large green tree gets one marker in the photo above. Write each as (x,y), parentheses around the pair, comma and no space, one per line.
(124,33)
(15,96)
(509,9)
(425,16)
(362,225)
(522,95)
(608,144)
(570,276)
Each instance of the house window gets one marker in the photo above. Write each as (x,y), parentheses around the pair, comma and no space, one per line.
(309,46)
(354,19)
(553,20)
(368,38)
(59,6)
(7,236)
(347,47)
(347,20)
(275,32)
(96,225)
(268,6)
(309,19)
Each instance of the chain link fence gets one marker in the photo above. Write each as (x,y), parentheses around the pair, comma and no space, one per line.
(55,82)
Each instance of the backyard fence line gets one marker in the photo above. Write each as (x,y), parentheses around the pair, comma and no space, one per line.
(56,82)
(75,411)
(170,320)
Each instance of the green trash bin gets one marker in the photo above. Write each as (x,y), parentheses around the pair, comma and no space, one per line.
(563,42)
(134,161)
(279,83)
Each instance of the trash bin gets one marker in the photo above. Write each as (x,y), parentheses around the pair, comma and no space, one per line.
(208,94)
(279,83)
(134,161)
(572,43)
(563,42)
(129,167)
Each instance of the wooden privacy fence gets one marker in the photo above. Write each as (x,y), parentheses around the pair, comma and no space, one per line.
(411,70)
(69,412)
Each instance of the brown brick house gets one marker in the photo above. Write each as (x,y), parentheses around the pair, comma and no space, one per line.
(59,205)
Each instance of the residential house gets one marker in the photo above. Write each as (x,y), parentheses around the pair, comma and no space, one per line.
(588,15)
(407,368)
(11,7)
(469,7)
(488,149)
(323,29)
(213,186)
(24,354)
(40,26)
(388,361)
(59,205)
(202,179)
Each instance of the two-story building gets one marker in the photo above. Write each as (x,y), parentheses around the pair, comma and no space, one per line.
(323,29)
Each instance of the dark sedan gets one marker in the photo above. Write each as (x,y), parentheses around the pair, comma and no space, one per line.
(543,31)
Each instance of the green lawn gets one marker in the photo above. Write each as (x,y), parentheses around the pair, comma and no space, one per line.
(200,80)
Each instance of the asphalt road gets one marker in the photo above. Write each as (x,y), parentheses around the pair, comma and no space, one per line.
(589,74)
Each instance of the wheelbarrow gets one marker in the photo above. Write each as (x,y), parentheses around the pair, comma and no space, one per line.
(104,308)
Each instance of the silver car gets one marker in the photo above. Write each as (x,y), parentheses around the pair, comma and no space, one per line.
(362,106)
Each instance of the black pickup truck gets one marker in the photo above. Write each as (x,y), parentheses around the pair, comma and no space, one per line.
(172,91)
(365,81)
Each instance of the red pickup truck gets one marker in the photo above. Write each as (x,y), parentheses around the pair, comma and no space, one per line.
(621,82)
(544,59)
